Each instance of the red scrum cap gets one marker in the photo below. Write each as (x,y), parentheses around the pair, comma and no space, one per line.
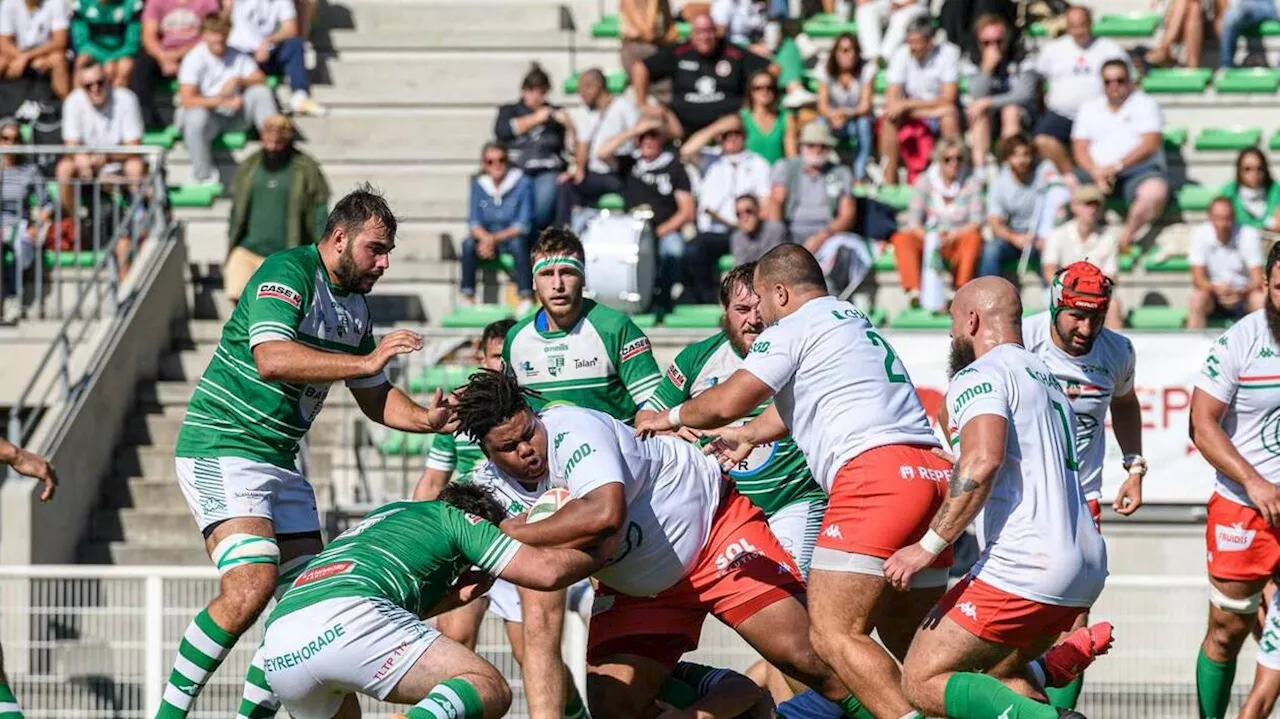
(1081,286)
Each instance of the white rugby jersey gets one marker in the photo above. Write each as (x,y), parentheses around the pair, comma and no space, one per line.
(672,490)
(512,495)
(1038,540)
(1243,370)
(840,387)
(1090,382)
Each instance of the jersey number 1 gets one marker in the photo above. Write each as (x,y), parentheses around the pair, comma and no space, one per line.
(890,357)
(1070,444)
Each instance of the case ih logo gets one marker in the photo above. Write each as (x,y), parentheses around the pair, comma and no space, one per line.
(277,291)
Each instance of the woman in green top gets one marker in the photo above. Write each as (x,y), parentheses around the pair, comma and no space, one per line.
(1255,196)
(110,32)
(771,133)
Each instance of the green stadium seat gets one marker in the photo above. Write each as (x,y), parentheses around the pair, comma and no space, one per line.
(1268,28)
(920,319)
(1127,260)
(646,321)
(475,316)
(1275,142)
(1175,137)
(895,196)
(607,26)
(1177,263)
(83,258)
(615,81)
(696,321)
(1157,318)
(877,315)
(725,263)
(611,201)
(231,140)
(398,443)
(1248,79)
(194,195)
(695,311)
(273,81)
(1136,24)
(881,83)
(165,137)
(887,261)
(828,25)
(1177,80)
(444,376)
(1194,198)
(504,262)
(1232,139)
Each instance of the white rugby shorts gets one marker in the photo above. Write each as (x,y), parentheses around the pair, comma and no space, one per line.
(796,526)
(221,488)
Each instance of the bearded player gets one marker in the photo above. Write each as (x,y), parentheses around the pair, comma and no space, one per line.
(843,394)
(1233,412)
(1016,476)
(1095,367)
(690,545)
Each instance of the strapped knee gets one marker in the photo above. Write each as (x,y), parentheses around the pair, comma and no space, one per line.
(289,571)
(238,550)
(1248,605)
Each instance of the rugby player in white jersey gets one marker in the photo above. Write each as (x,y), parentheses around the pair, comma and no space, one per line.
(1016,477)
(1095,367)
(845,397)
(689,545)
(1234,425)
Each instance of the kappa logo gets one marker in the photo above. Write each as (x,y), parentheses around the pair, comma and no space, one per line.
(284,293)
(559,438)
(1234,538)
(906,471)
(967,609)
(635,348)
(676,376)
(833,531)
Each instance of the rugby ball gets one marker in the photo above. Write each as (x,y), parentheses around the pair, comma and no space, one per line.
(547,505)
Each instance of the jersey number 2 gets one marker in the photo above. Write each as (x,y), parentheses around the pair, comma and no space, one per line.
(890,357)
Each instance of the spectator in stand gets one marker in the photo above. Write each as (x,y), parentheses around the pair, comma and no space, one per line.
(810,193)
(883,26)
(536,134)
(1002,94)
(737,172)
(1072,67)
(1226,268)
(499,220)
(1255,196)
(98,115)
(771,132)
(1085,237)
(957,19)
(1240,17)
(741,22)
(108,32)
(946,199)
(844,99)
(268,31)
(1183,22)
(170,29)
(279,200)
(25,208)
(33,43)
(1118,145)
(708,76)
(754,235)
(646,26)
(1023,204)
(923,93)
(219,87)
(654,178)
(601,116)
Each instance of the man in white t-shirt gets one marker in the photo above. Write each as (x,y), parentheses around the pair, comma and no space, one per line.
(268,31)
(882,25)
(1071,66)
(1118,145)
(601,116)
(1226,267)
(1233,425)
(33,42)
(1043,562)
(1085,237)
(741,22)
(98,115)
(923,90)
(689,545)
(841,391)
(219,87)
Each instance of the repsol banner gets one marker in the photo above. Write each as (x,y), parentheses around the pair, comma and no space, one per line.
(1167,367)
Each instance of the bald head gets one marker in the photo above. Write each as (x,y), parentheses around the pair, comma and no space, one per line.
(786,277)
(986,313)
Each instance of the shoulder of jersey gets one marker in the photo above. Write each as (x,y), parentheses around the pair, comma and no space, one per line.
(604,315)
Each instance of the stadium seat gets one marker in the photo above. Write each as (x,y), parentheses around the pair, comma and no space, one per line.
(444,376)
(504,262)
(920,319)
(475,316)
(1248,79)
(1231,139)
(398,443)
(877,316)
(608,26)
(231,140)
(725,263)
(1127,260)
(1135,24)
(611,201)
(615,81)
(887,261)
(1275,142)
(1194,198)
(1268,28)
(194,195)
(165,137)
(895,196)
(694,317)
(1157,318)
(1177,80)
(828,25)
(273,81)
(1177,263)
(1175,137)
(646,321)
(881,82)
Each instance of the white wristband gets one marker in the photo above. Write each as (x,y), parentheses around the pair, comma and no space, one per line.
(933,543)
(673,416)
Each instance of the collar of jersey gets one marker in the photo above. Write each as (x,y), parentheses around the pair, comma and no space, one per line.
(540,322)
(335,290)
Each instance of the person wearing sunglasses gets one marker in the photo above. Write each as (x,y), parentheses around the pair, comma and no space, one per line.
(96,116)
(1002,94)
(845,97)
(771,132)
(1254,194)
(1118,145)
(499,221)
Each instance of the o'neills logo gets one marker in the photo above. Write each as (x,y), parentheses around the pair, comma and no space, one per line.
(324,572)
(1234,538)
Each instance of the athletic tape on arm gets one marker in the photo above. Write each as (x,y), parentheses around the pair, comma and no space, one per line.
(1248,605)
(240,549)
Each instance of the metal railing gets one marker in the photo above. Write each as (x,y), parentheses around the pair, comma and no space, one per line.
(77,280)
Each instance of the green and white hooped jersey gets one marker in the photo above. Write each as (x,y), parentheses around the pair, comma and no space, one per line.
(603,363)
(405,552)
(234,412)
(774,475)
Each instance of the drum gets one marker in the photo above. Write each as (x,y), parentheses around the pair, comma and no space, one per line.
(620,262)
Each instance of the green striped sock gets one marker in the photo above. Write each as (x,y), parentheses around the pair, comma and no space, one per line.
(9,708)
(204,645)
(257,701)
(450,699)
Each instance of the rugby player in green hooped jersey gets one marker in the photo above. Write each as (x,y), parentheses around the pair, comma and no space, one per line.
(578,352)
(301,325)
(774,476)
